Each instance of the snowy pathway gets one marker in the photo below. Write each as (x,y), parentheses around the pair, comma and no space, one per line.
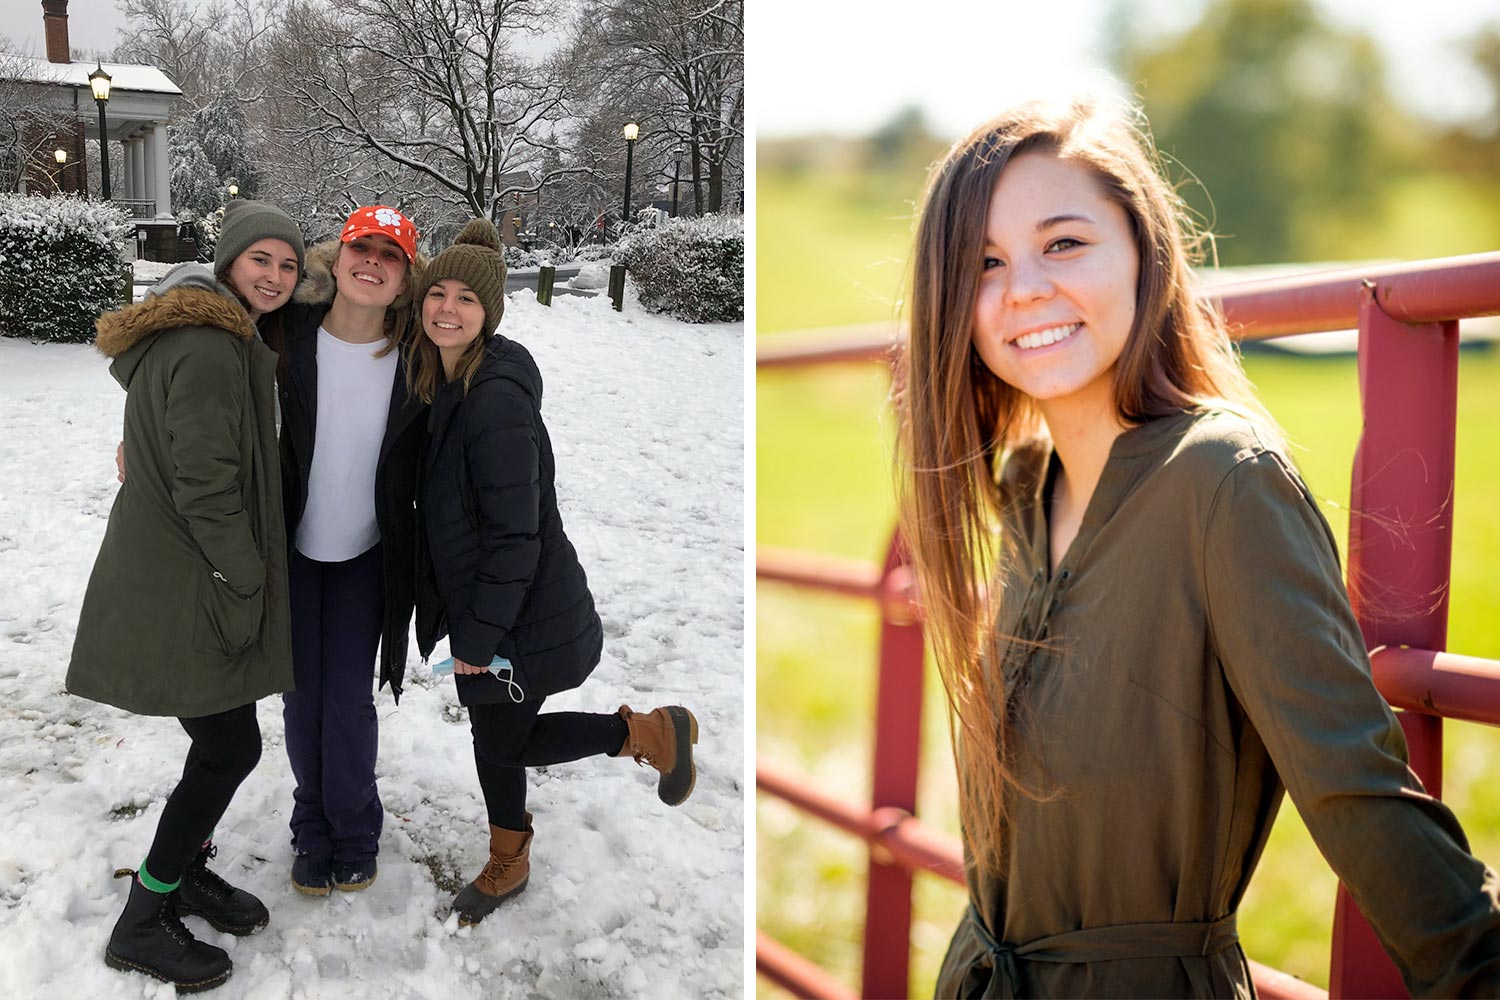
(627,897)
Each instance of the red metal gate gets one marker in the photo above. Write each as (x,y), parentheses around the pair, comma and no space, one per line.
(1407,316)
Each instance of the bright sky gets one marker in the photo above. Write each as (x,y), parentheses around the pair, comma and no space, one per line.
(846,68)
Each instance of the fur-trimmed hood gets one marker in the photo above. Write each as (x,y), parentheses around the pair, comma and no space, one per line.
(188,296)
(317,287)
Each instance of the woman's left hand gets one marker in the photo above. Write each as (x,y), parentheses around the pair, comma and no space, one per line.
(460,667)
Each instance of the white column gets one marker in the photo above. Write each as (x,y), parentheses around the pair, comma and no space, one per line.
(161,169)
(127,171)
(148,155)
(135,156)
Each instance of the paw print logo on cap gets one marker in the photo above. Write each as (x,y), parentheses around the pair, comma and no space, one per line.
(389,217)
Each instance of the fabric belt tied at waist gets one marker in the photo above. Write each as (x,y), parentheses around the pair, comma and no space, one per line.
(1095,944)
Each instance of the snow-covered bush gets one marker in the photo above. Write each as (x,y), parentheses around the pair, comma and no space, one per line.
(594,251)
(61,265)
(693,269)
(518,258)
(650,217)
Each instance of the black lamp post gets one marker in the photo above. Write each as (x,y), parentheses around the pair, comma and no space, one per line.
(61,156)
(99,84)
(632,130)
(676,175)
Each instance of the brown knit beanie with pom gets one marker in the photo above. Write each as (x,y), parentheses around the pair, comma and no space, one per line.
(476,260)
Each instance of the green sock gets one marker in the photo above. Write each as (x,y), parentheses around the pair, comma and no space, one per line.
(153,884)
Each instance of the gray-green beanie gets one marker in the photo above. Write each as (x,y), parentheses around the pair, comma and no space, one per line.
(475,259)
(248,222)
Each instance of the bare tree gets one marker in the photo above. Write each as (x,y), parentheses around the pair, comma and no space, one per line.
(171,36)
(679,66)
(451,108)
(438,88)
(221,48)
(30,121)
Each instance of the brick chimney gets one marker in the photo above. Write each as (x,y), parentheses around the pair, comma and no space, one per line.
(55,20)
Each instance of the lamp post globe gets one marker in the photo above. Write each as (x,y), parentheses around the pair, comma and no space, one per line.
(99,84)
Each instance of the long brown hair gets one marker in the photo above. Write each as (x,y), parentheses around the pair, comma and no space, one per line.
(271,325)
(424,362)
(958,422)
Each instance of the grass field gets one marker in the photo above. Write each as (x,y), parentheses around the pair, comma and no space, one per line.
(823,483)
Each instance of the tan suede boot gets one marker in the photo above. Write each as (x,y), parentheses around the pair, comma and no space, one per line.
(664,739)
(504,876)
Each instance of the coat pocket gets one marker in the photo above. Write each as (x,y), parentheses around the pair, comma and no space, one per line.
(226,623)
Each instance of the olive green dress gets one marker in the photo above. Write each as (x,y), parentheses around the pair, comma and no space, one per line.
(1198,655)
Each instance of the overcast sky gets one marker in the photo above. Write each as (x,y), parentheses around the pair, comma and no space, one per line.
(93,25)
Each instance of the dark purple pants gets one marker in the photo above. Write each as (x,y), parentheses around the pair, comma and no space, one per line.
(331,728)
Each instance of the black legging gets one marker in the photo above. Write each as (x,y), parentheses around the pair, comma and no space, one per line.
(510,737)
(226,748)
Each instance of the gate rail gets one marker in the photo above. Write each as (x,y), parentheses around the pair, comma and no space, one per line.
(1407,316)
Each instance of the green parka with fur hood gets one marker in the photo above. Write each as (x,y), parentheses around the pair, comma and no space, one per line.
(186,611)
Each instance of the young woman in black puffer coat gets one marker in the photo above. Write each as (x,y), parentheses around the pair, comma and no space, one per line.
(497,574)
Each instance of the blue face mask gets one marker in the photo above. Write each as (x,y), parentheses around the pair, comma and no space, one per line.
(500,667)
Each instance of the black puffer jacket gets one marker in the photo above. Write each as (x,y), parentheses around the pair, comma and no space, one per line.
(495,570)
(395,471)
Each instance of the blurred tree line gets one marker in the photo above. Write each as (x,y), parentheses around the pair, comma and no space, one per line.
(1283,134)
(1280,132)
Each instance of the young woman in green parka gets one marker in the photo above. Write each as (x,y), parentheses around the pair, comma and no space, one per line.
(1135,603)
(186,612)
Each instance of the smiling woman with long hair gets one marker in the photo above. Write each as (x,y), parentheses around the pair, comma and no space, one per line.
(1135,604)
(186,609)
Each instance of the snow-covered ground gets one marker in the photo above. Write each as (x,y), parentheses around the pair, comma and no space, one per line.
(150,270)
(627,896)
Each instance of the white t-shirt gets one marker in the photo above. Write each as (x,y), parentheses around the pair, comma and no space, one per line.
(354,398)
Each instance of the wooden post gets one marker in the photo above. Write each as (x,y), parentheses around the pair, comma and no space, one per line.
(545,276)
(617,286)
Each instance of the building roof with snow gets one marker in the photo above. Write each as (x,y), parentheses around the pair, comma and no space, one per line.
(123,76)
